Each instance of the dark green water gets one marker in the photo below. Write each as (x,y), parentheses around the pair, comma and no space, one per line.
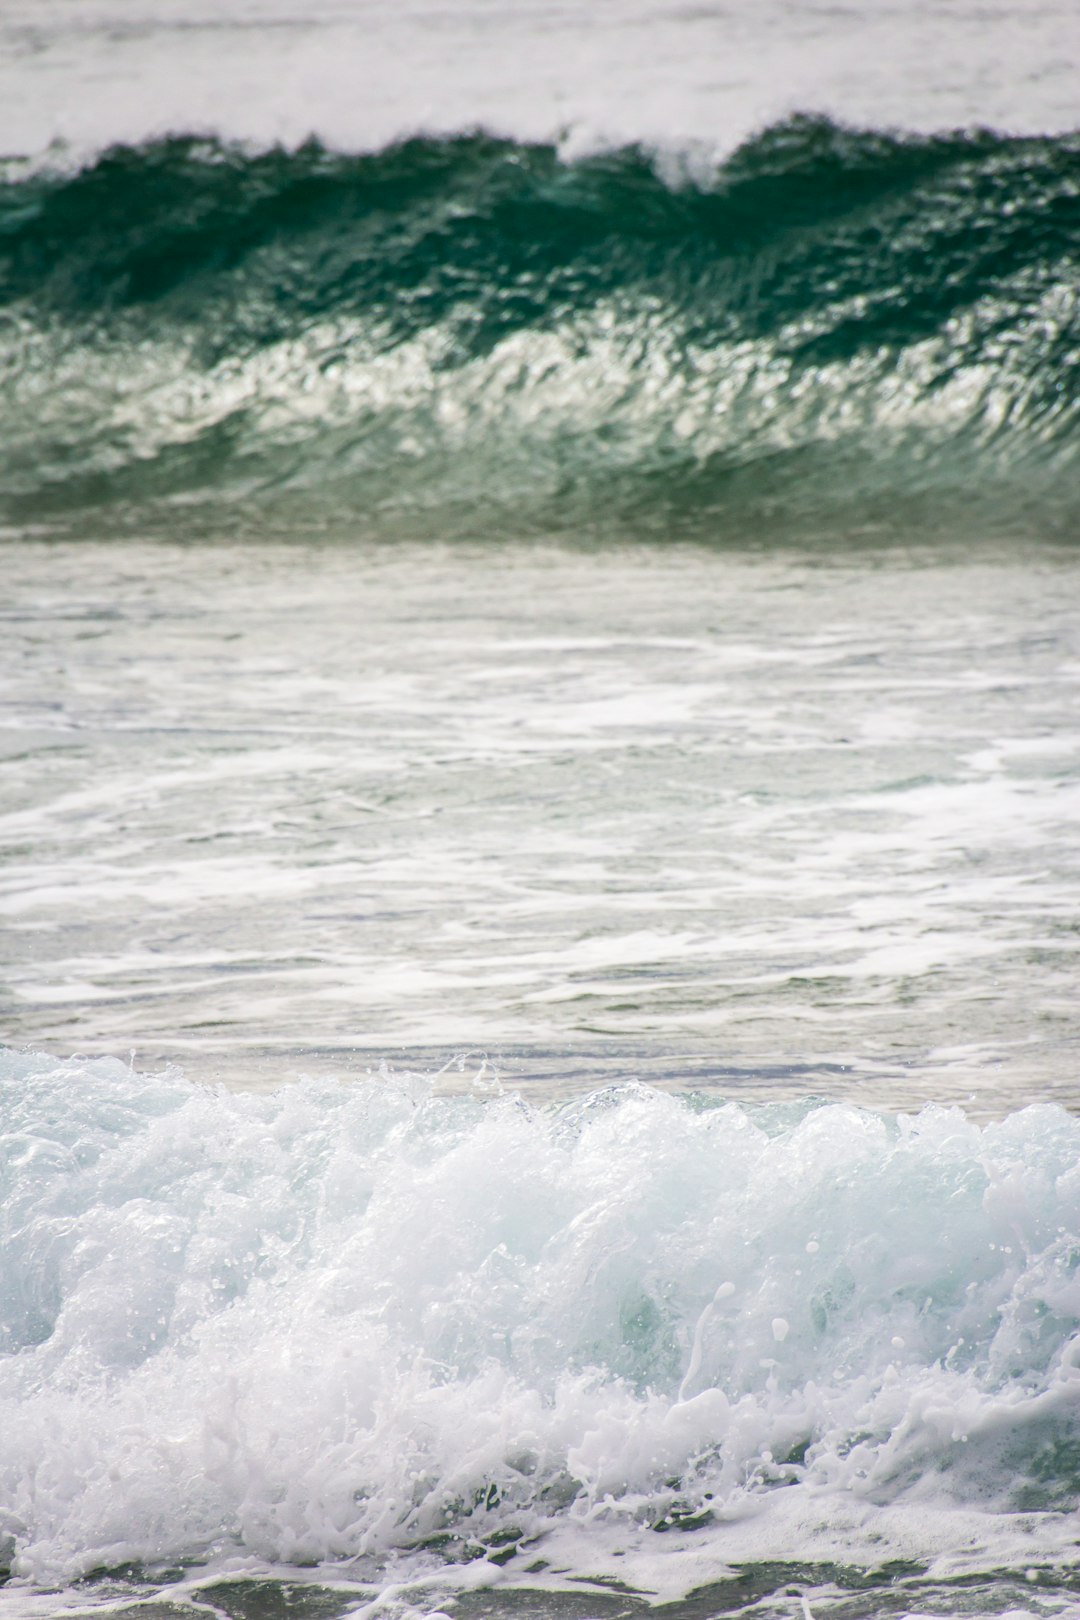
(833,332)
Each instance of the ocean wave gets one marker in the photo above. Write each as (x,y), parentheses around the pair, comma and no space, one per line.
(474,335)
(340,1323)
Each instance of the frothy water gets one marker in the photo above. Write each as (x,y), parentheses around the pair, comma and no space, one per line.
(457,1337)
(785,820)
(538,690)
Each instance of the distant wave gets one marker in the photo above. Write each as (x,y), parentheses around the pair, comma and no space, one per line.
(469,335)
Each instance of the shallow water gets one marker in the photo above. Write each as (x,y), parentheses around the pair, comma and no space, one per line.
(759,823)
(476,829)
(426,1345)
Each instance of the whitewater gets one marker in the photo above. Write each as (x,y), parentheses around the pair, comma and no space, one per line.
(345,1322)
(539,667)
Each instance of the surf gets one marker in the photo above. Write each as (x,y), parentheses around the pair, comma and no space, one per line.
(355,1325)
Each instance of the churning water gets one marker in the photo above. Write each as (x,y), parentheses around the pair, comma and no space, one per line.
(538,810)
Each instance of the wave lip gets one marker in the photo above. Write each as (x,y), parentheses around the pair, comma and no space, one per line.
(471,333)
(370,1323)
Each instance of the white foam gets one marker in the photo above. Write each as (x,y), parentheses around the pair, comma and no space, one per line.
(335,1322)
(414,825)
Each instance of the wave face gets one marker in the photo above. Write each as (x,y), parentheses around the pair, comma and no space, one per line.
(343,1322)
(474,335)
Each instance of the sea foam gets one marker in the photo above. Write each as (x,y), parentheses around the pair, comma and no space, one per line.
(343,1322)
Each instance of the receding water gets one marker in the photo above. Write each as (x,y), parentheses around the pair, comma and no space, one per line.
(780,822)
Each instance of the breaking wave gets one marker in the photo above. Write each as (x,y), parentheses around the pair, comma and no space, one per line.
(358,1322)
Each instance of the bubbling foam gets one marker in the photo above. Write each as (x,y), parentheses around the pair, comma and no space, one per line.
(340,1321)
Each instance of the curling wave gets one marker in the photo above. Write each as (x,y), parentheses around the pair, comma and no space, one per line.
(472,335)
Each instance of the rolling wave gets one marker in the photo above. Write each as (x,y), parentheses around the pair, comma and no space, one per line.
(470,335)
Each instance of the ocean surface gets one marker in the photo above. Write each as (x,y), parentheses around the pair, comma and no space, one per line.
(539,810)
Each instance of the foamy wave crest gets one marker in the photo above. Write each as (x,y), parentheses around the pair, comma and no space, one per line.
(340,1322)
